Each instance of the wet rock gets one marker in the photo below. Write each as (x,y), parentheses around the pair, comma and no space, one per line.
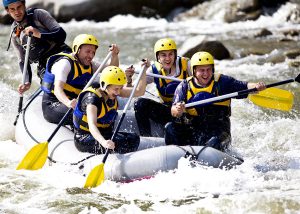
(242,12)
(264,32)
(276,56)
(294,17)
(294,63)
(291,33)
(292,54)
(248,5)
(102,10)
(216,48)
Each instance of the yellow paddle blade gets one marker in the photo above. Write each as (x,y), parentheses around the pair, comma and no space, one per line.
(35,158)
(96,177)
(274,98)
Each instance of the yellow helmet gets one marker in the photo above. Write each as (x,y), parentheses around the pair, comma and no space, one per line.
(164,45)
(84,39)
(112,75)
(201,58)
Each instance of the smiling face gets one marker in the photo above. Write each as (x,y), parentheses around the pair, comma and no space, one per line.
(16,10)
(166,58)
(113,91)
(203,74)
(86,54)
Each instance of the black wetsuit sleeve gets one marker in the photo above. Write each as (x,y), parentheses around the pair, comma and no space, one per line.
(54,31)
(91,98)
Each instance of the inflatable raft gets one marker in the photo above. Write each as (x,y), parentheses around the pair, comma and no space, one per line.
(152,155)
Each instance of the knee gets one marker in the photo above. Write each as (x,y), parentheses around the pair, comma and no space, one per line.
(168,128)
(140,104)
(217,143)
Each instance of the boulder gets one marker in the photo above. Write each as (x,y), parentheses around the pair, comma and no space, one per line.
(216,48)
(292,54)
(102,10)
(263,32)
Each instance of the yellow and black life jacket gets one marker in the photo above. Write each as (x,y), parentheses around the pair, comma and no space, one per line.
(197,93)
(76,80)
(166,88)
(106,114)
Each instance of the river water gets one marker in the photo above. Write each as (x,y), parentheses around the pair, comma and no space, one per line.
(267,182)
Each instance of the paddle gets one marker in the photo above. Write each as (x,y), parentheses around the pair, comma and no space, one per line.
(273,98)
(37,156)
(24,75)
(162,77)
(269,102)
(96,176)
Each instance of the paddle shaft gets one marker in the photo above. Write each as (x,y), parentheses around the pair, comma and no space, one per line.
(61,122)
(238,93)
(24,74)
(162,77)
(124,112)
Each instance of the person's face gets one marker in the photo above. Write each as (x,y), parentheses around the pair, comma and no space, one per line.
(114,91)
(16,10)
(166,58)
(86,54)
(203,74)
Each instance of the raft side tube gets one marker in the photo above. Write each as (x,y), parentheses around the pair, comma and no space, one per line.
(145,163)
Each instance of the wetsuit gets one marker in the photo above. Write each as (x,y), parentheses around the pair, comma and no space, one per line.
(51,42)
(106,116)
(207,124)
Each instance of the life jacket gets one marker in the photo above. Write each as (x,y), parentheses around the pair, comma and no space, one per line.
(105,115)
(39,48)
(197,93)
(76,80)
(166,88)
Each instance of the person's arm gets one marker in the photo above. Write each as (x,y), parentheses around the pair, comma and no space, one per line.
(50,29)
(91,111)
(141,87)
(61,70)
(61,95)
(129,73)
(115,55)
(230,85)
(178,106)
(177,109)
(259,86)
(149,78)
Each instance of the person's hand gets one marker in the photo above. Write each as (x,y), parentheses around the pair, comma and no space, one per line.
(72,103)
(179,108)
(108,144)
(35,32)
(22,88)
(129,73)
(146,62)
(114,49)
(260,86)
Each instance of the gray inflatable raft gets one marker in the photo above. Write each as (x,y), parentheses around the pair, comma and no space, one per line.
(152,155)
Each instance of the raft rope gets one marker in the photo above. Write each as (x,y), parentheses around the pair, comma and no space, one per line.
(188,154)
(30,100)
(193,156)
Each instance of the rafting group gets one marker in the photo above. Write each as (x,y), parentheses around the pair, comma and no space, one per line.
(195,100)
